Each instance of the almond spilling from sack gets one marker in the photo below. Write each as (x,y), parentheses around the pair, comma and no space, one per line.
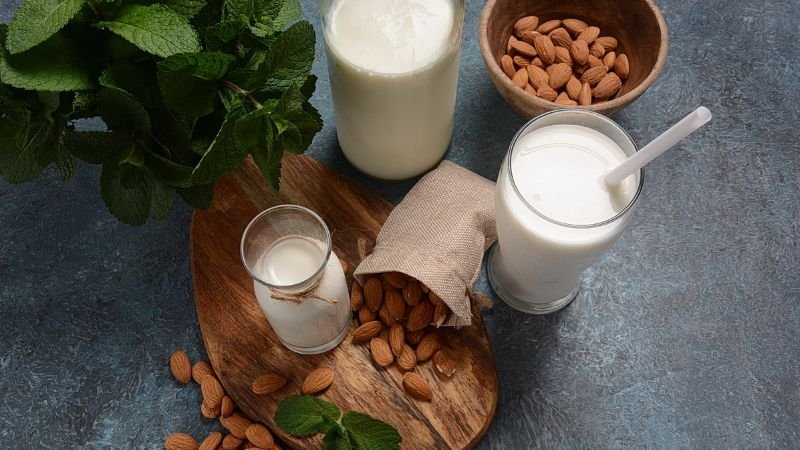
(563,50)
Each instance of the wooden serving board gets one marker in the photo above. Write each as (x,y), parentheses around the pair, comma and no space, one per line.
(242,346)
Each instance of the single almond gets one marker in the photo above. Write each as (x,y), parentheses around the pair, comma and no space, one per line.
(417,387)
(549,26)
(259,435)
(407,359)
(210,412)
(589,34)
(268,383)
(317,381)
(594,61)
(420,316)
(397,338)
(356,296)
(180,366)
(608,42)
(559,75)
(579,51)
(529,89)
(231,442)
(546,93)
(537,76)
(597,50)
(507,64)
(394,299)
(621,66)
(366,315)
(212,441)
(396,279)
(412,293)
(444,363)
(381,352)
(200,370)
(367,331)
(530,36)
(545,49)
(563,99)
(236,424)
(413,338)
(521,61)
(511,40)
(608,86)
(440,313)
(563,56)
(226,406)
(610,59)
(560,37)
(573,87)
(180,441)
(574,26)
(528,23)
(585,96)
(212,392)
(427,347)
(537,62)
(594,75)
(523,48)
(386,316)
(373,293)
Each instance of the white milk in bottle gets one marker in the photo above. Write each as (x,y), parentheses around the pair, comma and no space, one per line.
(393,67)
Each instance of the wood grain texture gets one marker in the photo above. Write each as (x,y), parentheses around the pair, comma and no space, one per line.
(637,24)
(241,345)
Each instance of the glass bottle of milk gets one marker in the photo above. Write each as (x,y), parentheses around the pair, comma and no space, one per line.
(393,67)
(554,216)
(298,279)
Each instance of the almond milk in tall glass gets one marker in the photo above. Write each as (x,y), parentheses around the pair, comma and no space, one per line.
(554,216)
(393,67)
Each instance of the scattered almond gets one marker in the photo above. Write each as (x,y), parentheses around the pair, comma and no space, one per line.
(420,316)
(528,23)
(212,441)
(396,279)
(397,339)
(180,441)
(621,66)
(589,34)
(574,26)
(427,347)
(373,293)
(412,293)
(212,392)
(231,442)
(545,49)
(226,406)
(180,366)
(356,297)
(316,382)
(236,424)
(407,359)
(381,352)
(267,384)
(444,363)
(208,411)
(200,370)
(259,435)
(367,331)
(549,26)
(417,387)
(608,86)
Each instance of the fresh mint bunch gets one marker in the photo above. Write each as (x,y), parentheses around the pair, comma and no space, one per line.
(305,415)
(187,89)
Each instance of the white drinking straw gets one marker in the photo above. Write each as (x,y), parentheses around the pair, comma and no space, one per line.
(657,146)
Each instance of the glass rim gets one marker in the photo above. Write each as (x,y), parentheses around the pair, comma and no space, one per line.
(280,208)
(613,218)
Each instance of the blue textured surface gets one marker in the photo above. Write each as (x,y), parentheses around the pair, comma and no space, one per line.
(684,336)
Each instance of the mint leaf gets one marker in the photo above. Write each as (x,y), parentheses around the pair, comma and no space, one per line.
(137,79)
(289,12)
(37,20)
(288,60)
(126,193)
(155,29)
(53,65)
(337,438)
(219,34)
(186,8)
(188,81)
(122,112)
(95,147)
(168,171)
(20,137)
(223,154)
(267,157)
(197,196)
(161,198)
(53,151)
(369,433)
(304,415)
(251,130)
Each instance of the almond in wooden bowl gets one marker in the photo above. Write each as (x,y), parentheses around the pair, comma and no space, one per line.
(637,26)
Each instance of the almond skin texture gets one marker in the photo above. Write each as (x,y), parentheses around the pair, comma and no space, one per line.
(412,293)
(212,392)
(397,339)
(608,86)
(561,37)
(267,384)
(180,441)
(317,381)
(594,75)
(208,411)
(537,76)
(563,56)
(573,88)
(259,435)
(394,299)
(589,34)
(537,62)
(585,96)
(444,364)
(427,347)
(212,441)
(407,359)
(530,90)
(597,50)
(523,48)
(511,40)
(562,97)
(440,313)
(236,424)
(594,61)
(607,42)
(226,407)
(528,23)
(180,366)
(420,316)
(549,26)
(530,36)
(521,61)
(559,75)
(385,317)
(417,387)
(520,78)
(545,49)
(367,331)
(610,59)
(574,26)
(381,352)
(366,315)
(373,294)
(621,66)
(507,64)
(396,279)
(579,51)
(200,370)
(546,93)
(231,442)
(356,296)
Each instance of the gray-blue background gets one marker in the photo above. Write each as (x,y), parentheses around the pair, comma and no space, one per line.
(685,335)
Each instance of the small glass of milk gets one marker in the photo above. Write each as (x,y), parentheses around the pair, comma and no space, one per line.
(298,279)
(555,217)
(393,67)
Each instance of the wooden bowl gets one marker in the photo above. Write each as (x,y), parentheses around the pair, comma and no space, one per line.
(637,24)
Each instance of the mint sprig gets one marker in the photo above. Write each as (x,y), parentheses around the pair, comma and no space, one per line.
(305,415)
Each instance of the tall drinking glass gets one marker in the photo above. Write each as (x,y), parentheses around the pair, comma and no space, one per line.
(554,216)
(298,279)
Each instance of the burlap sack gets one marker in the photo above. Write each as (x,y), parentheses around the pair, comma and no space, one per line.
(438,235)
